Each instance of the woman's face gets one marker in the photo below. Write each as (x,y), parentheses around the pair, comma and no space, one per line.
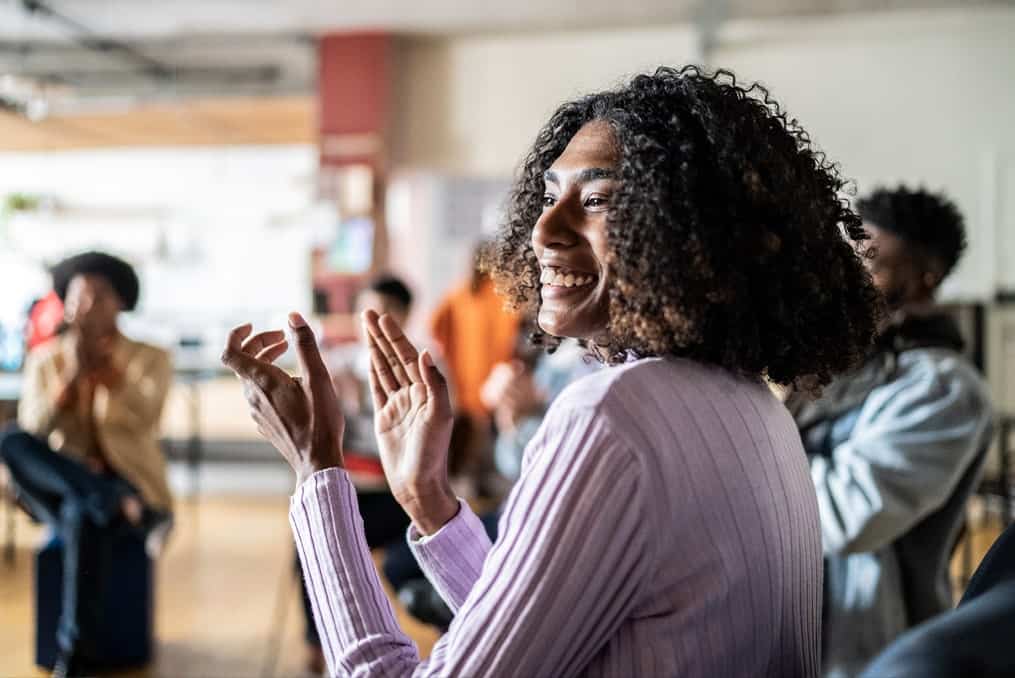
(91,304)
(569,237)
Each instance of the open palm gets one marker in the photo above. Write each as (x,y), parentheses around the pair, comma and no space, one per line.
(412,421)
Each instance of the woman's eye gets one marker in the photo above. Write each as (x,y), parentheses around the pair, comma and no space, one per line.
(596,201)
(549,200)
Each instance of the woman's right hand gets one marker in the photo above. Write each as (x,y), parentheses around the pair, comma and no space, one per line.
(412,421)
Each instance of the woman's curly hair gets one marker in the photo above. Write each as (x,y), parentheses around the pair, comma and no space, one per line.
(730,240)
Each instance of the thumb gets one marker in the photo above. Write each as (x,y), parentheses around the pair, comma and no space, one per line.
(311,364)
(435,383)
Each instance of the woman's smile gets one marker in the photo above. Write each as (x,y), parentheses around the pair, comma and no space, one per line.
(563,283)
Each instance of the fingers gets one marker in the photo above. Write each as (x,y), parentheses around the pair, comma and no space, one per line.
(376,390)
(386,350)
(405,352)
(271,353)
(257,343)
(311,364)
(233,356)
(380,368)
(436,385)
(390,373)
(248,367)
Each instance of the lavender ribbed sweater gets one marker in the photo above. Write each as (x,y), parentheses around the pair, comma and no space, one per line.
(665,524)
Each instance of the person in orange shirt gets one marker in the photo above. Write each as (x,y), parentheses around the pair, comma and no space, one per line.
(473,331)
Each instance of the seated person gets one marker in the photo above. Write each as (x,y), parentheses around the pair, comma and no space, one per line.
(518,394)
(384,520)
(86,457)
(972,640)
(890,442)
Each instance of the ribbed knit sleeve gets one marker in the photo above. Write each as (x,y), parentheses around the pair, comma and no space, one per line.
(452,558)
(567,570)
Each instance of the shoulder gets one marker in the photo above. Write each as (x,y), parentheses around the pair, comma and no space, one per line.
(642,400)
(47,352)
(44,360)
(590,413)
(930,385)
(622,388)
(940,372)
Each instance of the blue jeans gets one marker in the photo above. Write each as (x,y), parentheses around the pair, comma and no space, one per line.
(83,507)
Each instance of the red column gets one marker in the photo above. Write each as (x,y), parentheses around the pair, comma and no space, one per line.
(353,87)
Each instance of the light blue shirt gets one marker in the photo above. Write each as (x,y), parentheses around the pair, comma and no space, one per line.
(913,439)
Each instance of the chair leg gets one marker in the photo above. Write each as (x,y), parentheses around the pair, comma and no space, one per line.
(1005,472)
(11,519)
(967,554)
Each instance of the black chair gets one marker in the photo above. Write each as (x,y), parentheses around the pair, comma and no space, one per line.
(931,544)
(120,597)
(975,640)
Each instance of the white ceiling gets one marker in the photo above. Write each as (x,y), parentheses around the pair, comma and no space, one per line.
(145,19)
(266,47)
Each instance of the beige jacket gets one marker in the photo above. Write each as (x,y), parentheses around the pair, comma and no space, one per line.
(125,418)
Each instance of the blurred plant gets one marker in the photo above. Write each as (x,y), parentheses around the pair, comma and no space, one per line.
(19,202)
(13,203)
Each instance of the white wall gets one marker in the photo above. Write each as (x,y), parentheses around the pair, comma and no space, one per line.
(472,105)
(927,97)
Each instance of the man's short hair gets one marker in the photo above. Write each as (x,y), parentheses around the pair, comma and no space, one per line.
(119,273)
(929,220)
(393,287)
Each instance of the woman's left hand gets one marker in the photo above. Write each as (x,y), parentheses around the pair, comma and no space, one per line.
(299,416)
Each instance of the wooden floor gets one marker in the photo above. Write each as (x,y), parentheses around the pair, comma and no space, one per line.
(227,600)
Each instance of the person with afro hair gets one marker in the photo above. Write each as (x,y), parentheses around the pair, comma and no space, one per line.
(896,446)
(85,456)
(683,227)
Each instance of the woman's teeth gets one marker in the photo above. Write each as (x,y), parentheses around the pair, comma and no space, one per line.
(556,278)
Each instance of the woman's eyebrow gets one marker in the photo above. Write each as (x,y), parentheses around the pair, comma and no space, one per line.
(583,176)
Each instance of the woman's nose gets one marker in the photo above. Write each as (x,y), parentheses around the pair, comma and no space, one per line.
(555,227)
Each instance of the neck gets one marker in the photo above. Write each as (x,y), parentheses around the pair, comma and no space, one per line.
(109,332)
(926,305)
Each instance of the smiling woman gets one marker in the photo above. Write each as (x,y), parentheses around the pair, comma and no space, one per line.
(714,229)
(665,522)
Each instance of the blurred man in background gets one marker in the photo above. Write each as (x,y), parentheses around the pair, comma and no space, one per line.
(86,457)
(897,445)
(519,392)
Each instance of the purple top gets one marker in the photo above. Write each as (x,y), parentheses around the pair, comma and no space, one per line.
(664,524)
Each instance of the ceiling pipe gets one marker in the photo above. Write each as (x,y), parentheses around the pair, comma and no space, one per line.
(85,37)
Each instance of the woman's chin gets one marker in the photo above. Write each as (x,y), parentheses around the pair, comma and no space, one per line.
(562,327)
(551,324)
(584,318)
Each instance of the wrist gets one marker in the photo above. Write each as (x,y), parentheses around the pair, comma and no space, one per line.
(304,472)
(430,508)
(318,462)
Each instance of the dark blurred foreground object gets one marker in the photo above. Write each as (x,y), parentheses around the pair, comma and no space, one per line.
(422,601)
(117,603)
(975,640)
